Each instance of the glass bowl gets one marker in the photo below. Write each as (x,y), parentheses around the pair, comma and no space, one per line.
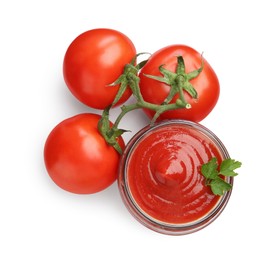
(160,178)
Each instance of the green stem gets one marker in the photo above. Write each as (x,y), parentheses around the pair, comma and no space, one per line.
(177,81)
(159,109)
(125,110)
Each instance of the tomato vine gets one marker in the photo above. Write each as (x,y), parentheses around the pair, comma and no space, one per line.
(179,81)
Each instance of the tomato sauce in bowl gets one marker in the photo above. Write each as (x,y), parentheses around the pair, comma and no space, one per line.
(160,178)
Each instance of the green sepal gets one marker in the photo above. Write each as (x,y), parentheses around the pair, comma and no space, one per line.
(188,87)
(142,63)
(178,81)
(167,78)
(158,78)
(180,66)
(126,79)
(104,123)
(168,75)
(195,73)
(110,134)
(121,91)
(119,132)
(118,148)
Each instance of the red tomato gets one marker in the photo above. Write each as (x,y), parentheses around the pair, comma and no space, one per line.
(94,60)
(77,157)
(206,84)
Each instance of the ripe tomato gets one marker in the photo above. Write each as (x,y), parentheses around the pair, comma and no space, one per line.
(95,59)
(77,157)
(206,83)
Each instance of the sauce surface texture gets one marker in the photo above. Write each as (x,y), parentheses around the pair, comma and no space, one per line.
(164,177)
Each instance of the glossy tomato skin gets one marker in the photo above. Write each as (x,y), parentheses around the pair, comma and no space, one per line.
(206,84)
(77,158)
(95,59)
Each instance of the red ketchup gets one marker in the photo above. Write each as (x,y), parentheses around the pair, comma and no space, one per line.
(160,177)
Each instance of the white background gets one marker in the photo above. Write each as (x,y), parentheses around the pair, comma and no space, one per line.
(40,221)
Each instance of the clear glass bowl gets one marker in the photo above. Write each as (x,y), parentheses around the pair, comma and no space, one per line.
(133,205)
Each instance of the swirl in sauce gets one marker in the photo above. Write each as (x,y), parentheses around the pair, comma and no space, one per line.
(164,178)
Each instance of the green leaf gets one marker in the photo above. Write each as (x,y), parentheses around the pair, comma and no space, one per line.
(228,173)
(219,186)
(209,169)
(228,166)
